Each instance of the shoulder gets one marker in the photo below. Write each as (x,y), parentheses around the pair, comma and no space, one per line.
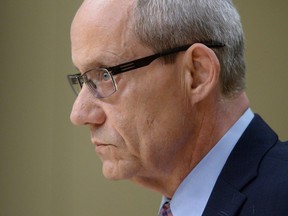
(267,194)
(272,170)
(279,152)
(275,163)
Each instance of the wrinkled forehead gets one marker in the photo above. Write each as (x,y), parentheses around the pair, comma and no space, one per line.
(96,9)
(103,14)
(101,24)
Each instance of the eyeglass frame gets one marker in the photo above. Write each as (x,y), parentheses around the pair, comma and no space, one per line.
(135,64)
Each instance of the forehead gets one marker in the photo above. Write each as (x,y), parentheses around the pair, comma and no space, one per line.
(101,29)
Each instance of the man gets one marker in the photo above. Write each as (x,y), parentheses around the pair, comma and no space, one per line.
(163,96)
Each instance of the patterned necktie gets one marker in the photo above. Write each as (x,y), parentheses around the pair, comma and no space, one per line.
(165,210)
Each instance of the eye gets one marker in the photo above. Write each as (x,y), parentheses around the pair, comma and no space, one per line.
(106,76)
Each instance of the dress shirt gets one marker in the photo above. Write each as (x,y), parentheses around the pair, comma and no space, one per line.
(193,193)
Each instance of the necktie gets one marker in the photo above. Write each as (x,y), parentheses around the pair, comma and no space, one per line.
(165,210)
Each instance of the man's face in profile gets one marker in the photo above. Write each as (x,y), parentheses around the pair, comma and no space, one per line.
(139,131)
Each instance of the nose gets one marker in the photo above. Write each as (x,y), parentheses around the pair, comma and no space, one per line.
(87,110)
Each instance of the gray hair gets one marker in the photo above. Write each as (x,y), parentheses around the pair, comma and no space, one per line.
(165,24)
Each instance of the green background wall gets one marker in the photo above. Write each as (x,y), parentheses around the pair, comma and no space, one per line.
(47,166)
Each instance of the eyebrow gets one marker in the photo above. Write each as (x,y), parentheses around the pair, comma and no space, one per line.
(100,60)
(89,66)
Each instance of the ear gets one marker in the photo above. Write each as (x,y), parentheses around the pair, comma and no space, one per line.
(202,69)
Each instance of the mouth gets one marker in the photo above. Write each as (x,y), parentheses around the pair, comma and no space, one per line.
(103,148)
(100,147)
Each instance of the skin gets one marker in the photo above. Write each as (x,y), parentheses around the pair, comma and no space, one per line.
(164,118)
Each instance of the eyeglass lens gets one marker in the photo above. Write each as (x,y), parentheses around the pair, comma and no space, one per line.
(99,81)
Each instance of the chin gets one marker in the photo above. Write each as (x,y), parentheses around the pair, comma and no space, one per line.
(119,171)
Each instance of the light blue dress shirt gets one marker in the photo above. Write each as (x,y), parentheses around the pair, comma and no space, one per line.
(193,193)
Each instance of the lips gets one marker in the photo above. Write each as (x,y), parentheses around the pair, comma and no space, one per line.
(97,142)
(100,147)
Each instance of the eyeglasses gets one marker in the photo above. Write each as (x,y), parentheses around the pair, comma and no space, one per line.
(100,81)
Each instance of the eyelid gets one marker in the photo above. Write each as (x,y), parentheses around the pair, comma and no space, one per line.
(104,67)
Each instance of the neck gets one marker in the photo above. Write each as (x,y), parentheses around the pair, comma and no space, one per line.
(211,122)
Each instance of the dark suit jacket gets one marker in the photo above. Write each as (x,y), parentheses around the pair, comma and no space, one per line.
(254,180)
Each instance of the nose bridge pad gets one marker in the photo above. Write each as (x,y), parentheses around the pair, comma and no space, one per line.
(79,81)
(93,90)
(92,84)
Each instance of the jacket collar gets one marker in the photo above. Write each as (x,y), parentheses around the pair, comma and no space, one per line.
(240,169)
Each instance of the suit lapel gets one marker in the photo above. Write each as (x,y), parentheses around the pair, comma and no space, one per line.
(240,169)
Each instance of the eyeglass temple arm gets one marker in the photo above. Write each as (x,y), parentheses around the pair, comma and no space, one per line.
(133,64)
(144,61)
(147,60)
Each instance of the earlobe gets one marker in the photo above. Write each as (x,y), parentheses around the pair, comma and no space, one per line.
(203,67)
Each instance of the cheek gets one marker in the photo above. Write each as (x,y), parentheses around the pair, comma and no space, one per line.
(123,128)
(161,136)
(151,117)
